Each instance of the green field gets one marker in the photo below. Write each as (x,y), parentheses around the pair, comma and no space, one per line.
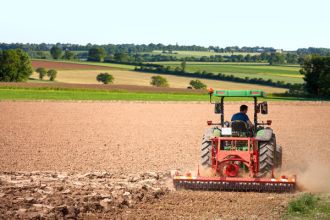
(286,73)
(182,54)
(14,93)
(289,74)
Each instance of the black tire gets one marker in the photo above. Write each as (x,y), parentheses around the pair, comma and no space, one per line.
(267,156)
(278,156)
(206,149)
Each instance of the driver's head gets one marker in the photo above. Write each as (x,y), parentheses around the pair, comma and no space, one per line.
(243,109)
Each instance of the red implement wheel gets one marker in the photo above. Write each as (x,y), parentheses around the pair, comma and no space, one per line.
(228,169)
(231,170)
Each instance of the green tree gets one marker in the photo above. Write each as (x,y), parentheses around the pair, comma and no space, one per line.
(183,66)
(68,55)
(276,58)
(15,66)
(122,57)
(291,58)
(316,71)
(51,74)
(197,84)
(56,52)
(159,81)
(96,54)
(105,78)
(42,72)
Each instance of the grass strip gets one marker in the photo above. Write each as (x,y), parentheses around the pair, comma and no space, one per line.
(309,206)
(44,93)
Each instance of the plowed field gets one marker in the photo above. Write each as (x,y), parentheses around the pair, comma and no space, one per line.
(128,138)
(65,65)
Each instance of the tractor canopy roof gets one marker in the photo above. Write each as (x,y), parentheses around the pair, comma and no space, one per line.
(239,93)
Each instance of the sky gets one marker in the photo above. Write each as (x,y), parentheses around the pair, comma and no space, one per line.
(282,24)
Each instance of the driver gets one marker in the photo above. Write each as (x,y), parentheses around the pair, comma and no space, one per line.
(242,116)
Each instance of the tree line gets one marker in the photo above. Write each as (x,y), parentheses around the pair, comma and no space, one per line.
(314,50)
(138,48)
(99,54)
(271,58)
(131,48)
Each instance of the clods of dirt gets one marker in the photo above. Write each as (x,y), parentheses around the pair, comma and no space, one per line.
(44,195)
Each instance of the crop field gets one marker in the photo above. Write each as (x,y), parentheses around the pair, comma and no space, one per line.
(182,54)
(289,74)
(113,159)
(80,73)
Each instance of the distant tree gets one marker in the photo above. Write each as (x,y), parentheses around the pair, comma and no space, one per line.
(96,54)
(248,58)
(159,81)
(197,84)
(122,57)
(39,54)
(68,55)
(276,58)
(51,74)
(105,78)
(291,58)
(42,72)
(264,56)
(183,66)
(15,66)
(56,52)
(204,59)
(177,69)
(316,71)
(240,58)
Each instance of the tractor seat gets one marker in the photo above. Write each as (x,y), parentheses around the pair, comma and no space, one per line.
(239,129)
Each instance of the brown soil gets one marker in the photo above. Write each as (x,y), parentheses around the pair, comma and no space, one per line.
(66,66)
(127,138)
(132,88)
(53,195)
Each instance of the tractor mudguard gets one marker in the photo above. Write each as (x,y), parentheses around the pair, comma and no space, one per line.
(264,134)
(212,132)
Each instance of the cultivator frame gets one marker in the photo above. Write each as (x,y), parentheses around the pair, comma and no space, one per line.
(229,155)
(279,185)
(249,158)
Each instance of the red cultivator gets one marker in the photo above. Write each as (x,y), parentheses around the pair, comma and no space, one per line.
(229,168)
(235,184)
(240,159)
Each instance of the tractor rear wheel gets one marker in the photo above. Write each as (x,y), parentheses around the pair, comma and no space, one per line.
(206,148)
(270,156)
(278,156)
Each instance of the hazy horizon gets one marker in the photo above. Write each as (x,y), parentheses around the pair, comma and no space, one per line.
(287,25)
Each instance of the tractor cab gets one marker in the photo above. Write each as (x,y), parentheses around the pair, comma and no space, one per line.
(238,128)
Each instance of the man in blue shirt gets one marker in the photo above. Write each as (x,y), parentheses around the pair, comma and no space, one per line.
(242,116)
